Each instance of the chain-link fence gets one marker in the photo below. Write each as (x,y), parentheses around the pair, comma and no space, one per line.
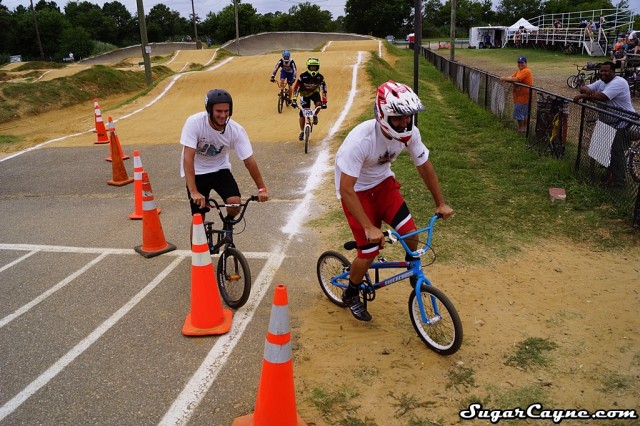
(602,142)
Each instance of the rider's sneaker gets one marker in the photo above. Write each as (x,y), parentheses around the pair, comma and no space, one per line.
(356,307)
(288,101)
(301,136)
(315,120)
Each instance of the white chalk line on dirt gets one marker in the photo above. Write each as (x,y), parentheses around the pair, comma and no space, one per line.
(189,399)
(156,99)
(33,387)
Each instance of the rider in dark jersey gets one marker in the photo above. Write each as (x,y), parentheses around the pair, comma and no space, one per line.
(312,87)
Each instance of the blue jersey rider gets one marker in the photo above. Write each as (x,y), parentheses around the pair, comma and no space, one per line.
(312,87)
(288,72)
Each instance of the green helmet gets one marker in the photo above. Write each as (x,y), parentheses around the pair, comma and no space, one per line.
(315,63)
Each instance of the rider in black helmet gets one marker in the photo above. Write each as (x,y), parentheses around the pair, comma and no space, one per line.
(207,137)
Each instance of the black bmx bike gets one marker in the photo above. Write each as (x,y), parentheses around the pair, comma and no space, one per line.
(551,126)
(232,271)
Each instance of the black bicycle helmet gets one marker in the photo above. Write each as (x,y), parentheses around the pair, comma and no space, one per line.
(218,96)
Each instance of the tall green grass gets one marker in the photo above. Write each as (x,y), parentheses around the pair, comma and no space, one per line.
(497,187)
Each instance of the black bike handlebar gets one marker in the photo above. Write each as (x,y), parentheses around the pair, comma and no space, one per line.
(213,204)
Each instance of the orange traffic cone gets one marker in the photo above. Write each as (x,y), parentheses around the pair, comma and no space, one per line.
(207,315)
(137,187)
(99,123)
(276,401)
(153,241)
(112,129)
(119,172)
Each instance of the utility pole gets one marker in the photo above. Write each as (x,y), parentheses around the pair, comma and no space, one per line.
(235,9)
(452,31)
(35,23)
(195,27)
(417,47)
(144,43)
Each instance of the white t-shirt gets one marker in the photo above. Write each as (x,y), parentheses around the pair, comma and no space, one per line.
(617,90)
(212,147)
(367,154)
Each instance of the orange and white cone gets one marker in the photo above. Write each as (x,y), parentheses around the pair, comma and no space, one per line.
(276,400)
(137,187)
(207,315)
(112,128)
(153,241)
(119,172)
(101,131)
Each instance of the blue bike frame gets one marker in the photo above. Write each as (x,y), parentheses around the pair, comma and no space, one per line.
(414,269)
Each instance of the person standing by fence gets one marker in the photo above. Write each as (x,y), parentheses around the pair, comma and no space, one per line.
(613,91)
(521,93)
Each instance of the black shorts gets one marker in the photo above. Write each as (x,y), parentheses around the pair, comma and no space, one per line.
(306,101)
(222,182)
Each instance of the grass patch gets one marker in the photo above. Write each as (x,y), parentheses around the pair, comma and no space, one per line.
(495,184)
(460,377)
(336,407)
(9,139)
(531,352)
(614,382)
(406,403)
(99,81)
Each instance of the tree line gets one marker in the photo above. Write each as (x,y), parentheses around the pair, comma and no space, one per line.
(84,29)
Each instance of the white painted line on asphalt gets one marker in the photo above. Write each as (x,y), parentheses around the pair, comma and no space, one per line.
(33,387)
(192,394)
(185,404)
(157,98)
(25,308)
(18,260)
(100,250)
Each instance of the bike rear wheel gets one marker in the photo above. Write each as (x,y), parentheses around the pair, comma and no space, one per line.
(234,278)
(280,102)
(330,264)
(575,80)
(443,333)
(634,161)
(307,133)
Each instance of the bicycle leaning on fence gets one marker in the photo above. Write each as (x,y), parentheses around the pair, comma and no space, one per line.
(586,74)
(633,160)
(432,314)
(232,271)
(551,125)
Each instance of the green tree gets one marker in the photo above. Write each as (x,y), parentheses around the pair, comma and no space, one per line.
(77,41)
(164,24)
(125,26)
(509,11)
(377,18)
(8,33)
(309,17)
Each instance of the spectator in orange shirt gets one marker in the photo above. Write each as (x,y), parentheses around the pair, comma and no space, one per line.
(521,93)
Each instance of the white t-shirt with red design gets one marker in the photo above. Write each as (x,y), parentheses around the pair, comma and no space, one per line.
(367,154)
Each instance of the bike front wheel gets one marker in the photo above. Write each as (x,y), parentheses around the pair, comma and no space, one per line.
(330,264)
(633,164)
(307,133)
(234,278)
(443,331)
(280,102)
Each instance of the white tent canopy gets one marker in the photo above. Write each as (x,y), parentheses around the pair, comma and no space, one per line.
(522,23)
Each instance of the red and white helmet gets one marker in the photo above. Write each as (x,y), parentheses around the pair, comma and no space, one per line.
(395,100)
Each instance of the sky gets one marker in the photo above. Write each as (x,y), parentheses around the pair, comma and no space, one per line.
(203,7)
